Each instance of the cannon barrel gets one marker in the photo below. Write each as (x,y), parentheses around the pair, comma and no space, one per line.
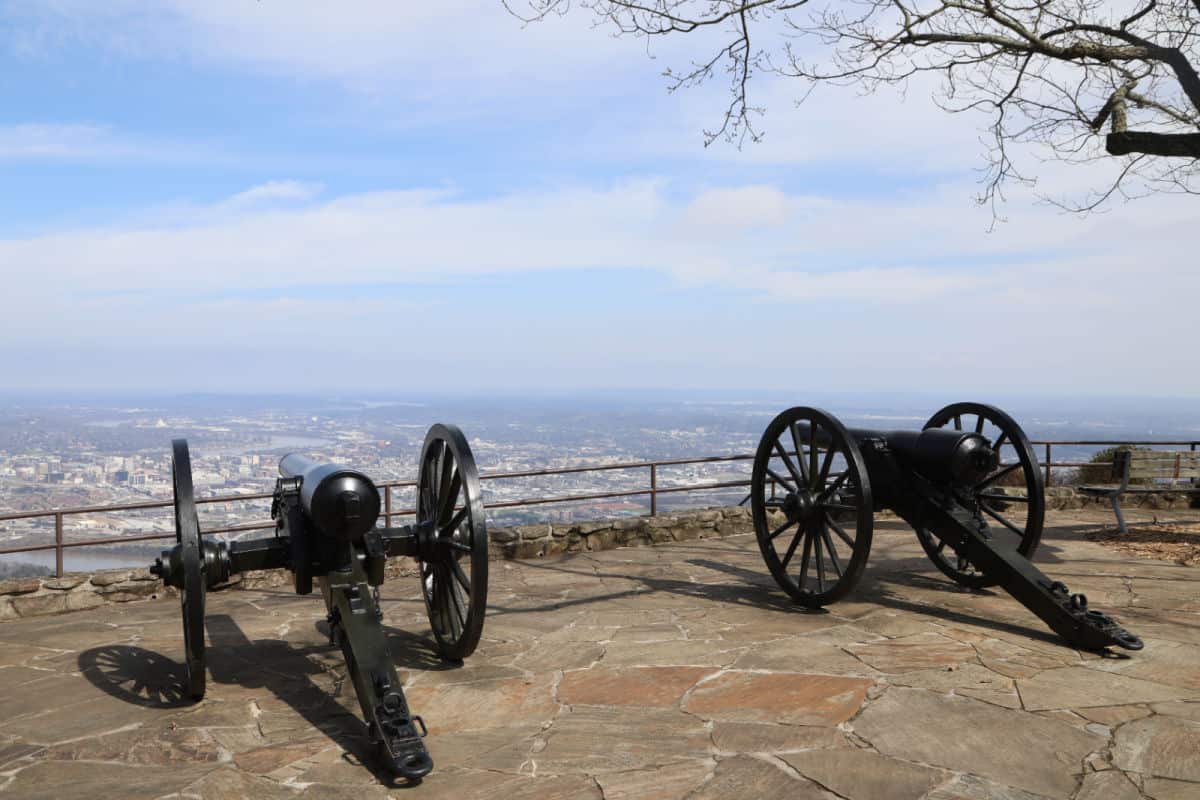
(941,455)
(340,501)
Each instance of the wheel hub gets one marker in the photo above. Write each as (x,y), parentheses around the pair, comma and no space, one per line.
(800,506)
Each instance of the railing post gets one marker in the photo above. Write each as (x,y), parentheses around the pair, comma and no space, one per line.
(1047,464)
(58,545)
(653,490)
(387,506)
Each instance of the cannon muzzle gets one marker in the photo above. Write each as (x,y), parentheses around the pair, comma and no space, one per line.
(341,502)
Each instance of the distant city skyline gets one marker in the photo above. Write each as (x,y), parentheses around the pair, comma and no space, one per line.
(267,197)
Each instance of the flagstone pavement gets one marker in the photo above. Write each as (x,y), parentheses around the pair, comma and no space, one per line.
(660,672)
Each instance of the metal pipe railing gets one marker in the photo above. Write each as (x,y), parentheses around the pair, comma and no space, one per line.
(654,490)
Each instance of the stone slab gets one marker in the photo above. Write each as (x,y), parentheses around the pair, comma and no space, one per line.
(1028,752)
(862,775)
(1163,747)
(746,776)
(909,653)
(1108,785)
(633,738)
(629,686)
(778,697)
(667,782)
(1081,687)
(753,737)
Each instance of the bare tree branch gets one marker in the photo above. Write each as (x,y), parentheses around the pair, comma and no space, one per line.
(1049,72)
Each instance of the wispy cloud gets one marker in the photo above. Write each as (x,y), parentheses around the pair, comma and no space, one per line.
(272,192)
(33,141)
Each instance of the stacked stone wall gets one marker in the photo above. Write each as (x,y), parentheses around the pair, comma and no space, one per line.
(34,597)
(31,597)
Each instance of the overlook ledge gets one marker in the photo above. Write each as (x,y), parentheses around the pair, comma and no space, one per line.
(677,670)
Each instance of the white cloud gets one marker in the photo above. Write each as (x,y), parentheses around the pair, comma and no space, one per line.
(737,208)
(916,247)
(373,45)
(247,243)
(30,141)
(274,191)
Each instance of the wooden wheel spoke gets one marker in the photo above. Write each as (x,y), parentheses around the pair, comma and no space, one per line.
(833,487)
(445,480)
(979,423)
(805,474)
(460,615)
(819,483)
(459,546)
(839,530)
(792,548)
(833,557)
(804,560)
(787,462)
(1004,498)
(820,562)
(812,453)
(435,468)
(460,576)
(839,507)
(782,481)
(1002,520)
(781,529)
(997,475)
(452,525)
(451,498)
(957,422)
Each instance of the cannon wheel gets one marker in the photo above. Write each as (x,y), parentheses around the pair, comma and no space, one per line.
(815,499)
(448,498)
(191,593)
(992,422)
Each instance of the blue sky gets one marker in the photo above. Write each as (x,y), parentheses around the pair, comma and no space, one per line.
(400,196)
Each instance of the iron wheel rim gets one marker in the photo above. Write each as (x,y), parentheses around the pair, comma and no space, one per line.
(960,570)
(191,593)
(449,500)
(818,513)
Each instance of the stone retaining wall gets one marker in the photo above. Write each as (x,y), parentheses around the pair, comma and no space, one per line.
(34,597)
(30,597)
(1067,498)
(546,539)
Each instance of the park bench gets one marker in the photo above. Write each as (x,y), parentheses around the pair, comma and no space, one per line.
(1164,471)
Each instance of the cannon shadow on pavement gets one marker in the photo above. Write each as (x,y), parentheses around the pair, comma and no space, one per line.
(762,595)
(760,591)
(145,678)
(876,591)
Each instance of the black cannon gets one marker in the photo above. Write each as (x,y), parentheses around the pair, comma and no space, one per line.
(326,528)
(816,485)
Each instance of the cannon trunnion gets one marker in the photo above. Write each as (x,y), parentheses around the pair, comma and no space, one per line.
(326,518)
(816,485)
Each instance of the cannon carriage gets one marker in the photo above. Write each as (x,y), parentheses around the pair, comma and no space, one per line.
(817,484)
(326,519)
